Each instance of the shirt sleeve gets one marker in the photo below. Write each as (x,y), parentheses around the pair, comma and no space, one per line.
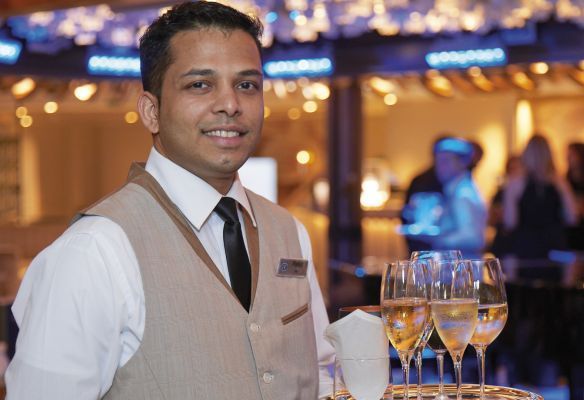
(324,349)
(72,310)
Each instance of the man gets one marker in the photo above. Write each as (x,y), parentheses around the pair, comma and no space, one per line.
(182,284)
(463,222)
(425,190)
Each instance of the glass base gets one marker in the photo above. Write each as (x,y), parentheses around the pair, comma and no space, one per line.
(429,392)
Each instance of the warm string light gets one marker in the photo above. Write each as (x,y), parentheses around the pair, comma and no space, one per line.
(301,20)
(51,107)
(24,119)
(131,117)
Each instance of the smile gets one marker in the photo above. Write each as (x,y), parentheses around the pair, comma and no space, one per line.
(223,133)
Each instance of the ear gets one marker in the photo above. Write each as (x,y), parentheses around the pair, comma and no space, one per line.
(149,112)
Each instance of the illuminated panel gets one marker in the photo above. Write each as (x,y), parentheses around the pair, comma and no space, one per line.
(114,65)
(467,58)
(297,68)
(9,51)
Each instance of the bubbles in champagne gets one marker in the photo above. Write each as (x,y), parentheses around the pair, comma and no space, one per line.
(455,321)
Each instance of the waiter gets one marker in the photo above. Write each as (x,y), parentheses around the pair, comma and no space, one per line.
(182,284)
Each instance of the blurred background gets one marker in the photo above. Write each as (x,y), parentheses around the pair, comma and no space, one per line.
(356,94)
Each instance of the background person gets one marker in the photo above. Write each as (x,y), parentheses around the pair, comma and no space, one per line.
(424,191)
(575,178)
(538,204)
(463,221)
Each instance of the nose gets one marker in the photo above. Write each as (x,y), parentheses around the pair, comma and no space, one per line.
(227,102)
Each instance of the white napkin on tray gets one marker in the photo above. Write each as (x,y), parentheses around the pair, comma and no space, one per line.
(362,348)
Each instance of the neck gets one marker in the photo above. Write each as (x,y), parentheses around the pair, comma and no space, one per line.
(222,185)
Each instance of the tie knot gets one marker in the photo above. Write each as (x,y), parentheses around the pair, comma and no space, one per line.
(227,210)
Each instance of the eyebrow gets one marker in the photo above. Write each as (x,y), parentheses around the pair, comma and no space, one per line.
(210,72)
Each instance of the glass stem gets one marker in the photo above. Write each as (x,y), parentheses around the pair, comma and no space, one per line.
(458,370)
(418,361)
(481,364)
(405,359)
(440,361)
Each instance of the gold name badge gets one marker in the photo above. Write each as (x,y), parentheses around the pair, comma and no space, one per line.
(292,268)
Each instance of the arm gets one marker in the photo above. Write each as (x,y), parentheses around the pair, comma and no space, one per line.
(71,309)
(569,208)
(324,349)
(511,195)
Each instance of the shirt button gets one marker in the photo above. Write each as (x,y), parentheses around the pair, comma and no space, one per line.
(268,377)
(255,328)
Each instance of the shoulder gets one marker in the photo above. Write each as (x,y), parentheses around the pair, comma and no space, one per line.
(90,242)
(263,205)
(92,256)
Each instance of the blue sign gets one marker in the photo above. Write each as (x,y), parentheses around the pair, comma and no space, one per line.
(9,51)
(467,58)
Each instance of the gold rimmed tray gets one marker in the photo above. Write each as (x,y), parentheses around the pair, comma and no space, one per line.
(469,392)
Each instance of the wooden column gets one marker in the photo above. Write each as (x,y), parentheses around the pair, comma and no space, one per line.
(345,156)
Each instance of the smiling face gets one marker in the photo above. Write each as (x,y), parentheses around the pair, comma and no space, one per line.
(210,113)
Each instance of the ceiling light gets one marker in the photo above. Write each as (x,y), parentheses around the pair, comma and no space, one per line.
(310,106)
(23,88)
(21,111)
(321,91)
(85,92)
(26,121)
(131,117)
(390,99)
(303,157)
(521,80)
(441,86)
(381,85)
(51,107)
(291,86)
(539,68)
(483,83)
(294,113)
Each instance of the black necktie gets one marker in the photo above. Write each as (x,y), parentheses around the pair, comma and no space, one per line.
(237,259)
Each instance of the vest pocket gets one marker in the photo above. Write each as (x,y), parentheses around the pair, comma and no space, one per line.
(286,319)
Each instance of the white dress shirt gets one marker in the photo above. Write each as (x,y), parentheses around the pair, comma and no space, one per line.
(463,224)
(81,309)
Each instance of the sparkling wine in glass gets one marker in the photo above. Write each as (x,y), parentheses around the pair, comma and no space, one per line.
(426,258)
(492,312)
(454,309)
(404,310)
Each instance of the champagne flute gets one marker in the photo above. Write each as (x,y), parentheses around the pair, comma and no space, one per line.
(437,346)
(404,310)
(492,313)
(426,257)
(454,309)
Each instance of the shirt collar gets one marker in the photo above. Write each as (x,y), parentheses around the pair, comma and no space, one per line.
(195,198)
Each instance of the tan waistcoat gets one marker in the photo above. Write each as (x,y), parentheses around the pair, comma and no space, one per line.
(199,342)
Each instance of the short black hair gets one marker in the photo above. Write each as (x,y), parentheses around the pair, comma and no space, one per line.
(155,55)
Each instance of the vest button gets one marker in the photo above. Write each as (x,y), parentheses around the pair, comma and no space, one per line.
(255,328)
(268,377)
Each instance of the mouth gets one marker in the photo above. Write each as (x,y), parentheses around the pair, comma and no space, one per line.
(224,133)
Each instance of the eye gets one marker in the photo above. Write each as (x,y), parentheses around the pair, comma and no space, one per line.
(248,85)
(199,85)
